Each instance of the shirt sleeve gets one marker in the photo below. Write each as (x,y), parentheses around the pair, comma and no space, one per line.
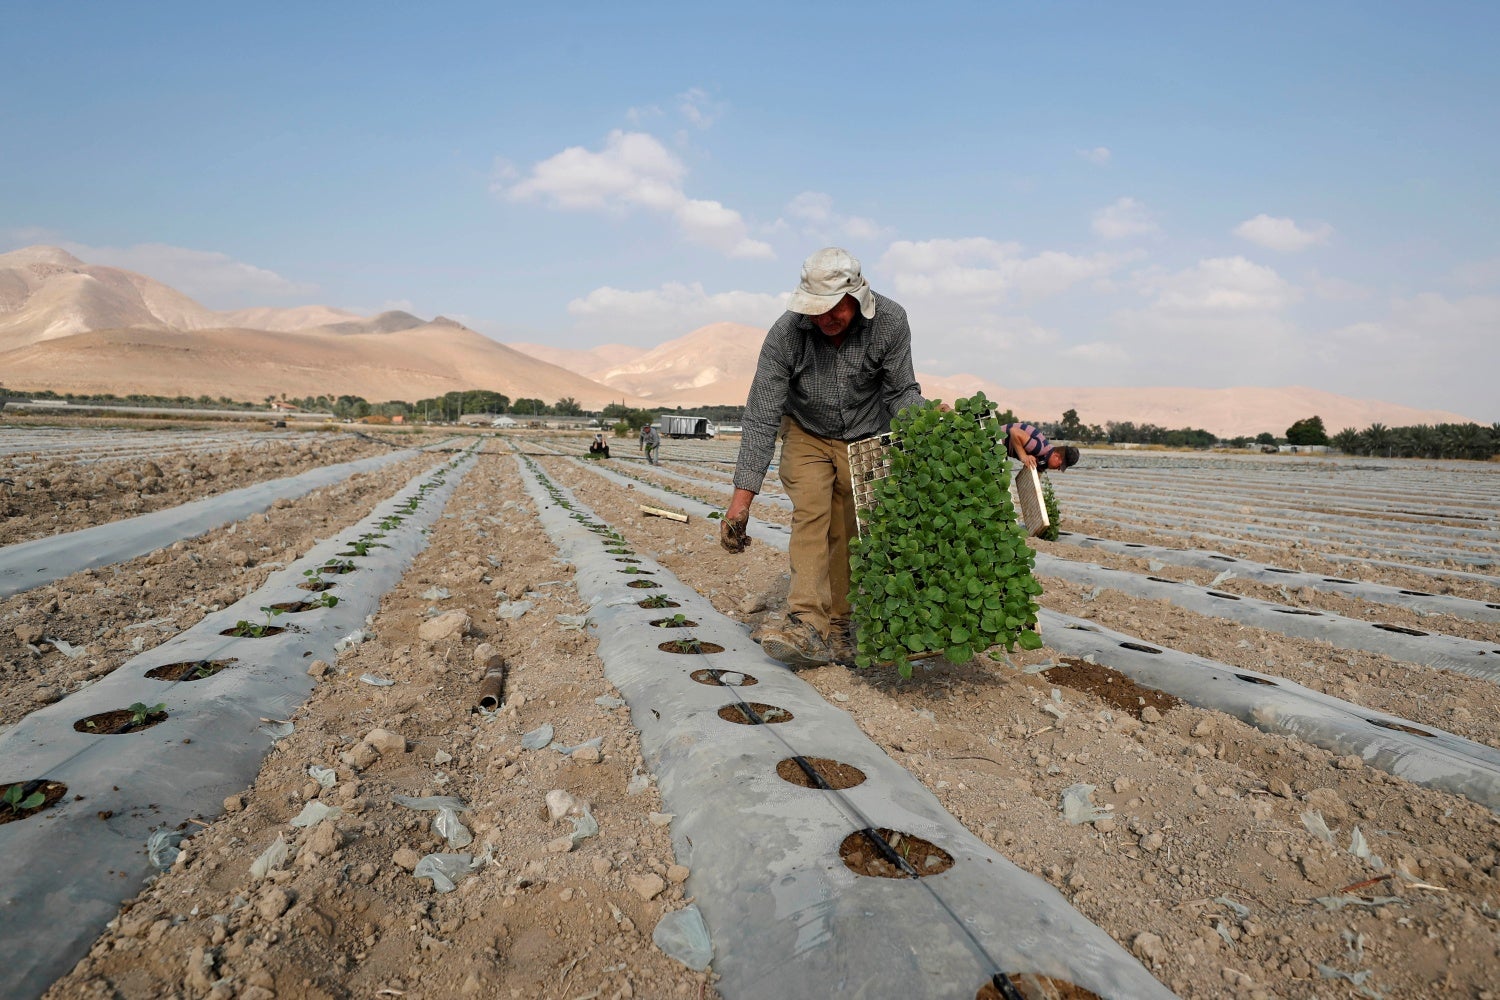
(763,409)
(898,380)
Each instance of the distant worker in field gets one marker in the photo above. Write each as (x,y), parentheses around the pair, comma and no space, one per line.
(1031,448)
(651,444)
(838,365)
(599,448)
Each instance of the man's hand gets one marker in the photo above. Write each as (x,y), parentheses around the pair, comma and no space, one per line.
(1027,459)
(733,534)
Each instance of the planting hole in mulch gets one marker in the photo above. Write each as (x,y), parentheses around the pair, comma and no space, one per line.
(1398,727)
(1134,545)
(1160,579)
(333,569)
(19,799)
(1034,987)
(1274,569)
(1227,597)
(643,584)
(659,601)
(119,721)
(835,774)
(189,670)
(1139,647)
(621,552)
(261,631)
(318,586)
(1252,679)
(673,622)
(626,559)
(764,714)
(1337,579)
(723,678)
(296,607)
(1297,611)
(1224,558)
(1416,593)
(1109,686)
(861,855)
(1398,628)
(689,645)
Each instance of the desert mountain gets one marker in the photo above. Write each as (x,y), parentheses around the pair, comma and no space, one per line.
(70,326)
(715,364)
(590,363)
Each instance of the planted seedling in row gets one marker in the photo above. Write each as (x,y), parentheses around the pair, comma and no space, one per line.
(1054,514)
(324,600)
(658,601)
(140,712)
(16,800)
(943,566)
(678,620)
(246,629)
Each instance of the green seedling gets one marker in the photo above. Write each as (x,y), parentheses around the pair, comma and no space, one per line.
(658,601)
(635,569)
(16,800)
(337,566)
(687,646)
(360,548)
(715,515)
(246,629)
(943,566)
(1054,513)
(140,712)
(202,672)
(324,600)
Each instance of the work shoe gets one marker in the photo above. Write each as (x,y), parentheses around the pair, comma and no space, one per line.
(795,643)
(842,644)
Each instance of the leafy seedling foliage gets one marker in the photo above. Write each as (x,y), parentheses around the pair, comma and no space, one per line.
(943,567)
(1054,515)
(16,800)
(245,629)
(140,712)
(324,600)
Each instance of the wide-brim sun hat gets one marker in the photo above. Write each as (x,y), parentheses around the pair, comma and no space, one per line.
(827,276)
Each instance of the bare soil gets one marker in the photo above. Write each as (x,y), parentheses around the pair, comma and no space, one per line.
(1204,867)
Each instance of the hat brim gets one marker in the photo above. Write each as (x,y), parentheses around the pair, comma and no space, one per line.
(808,304)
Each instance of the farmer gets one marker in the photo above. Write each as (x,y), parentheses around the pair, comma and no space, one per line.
(651,443)
(599,448)
(838,366)
(1031,447)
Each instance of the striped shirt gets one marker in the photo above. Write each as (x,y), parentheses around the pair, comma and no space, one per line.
(1036,443)
(845,393)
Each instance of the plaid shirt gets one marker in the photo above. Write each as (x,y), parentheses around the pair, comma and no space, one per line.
(846,392)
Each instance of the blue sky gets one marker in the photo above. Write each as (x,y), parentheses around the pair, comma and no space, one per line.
(1059,193)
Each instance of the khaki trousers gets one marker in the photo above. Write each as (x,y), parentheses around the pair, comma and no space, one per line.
(815,472)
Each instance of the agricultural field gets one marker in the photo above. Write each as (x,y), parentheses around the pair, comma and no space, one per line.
(1258,755)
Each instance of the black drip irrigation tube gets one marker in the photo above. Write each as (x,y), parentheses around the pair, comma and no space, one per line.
(56,889)
(788,916)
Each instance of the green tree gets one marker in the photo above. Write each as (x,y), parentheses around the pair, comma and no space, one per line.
(1265,437)
(526,406)
(567,407)
(1346,440)
(1070,428)
(1307,431)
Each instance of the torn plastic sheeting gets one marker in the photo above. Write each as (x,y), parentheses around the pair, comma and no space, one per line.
(40,562)
(763,860)
(1077,807)
(446,869)
(326,777)
(539,737)
(682,935)
(211,728)
(431,803)
(273,857)
(374,681)
(314,813)
(510,610)
(1377,593)
(1467,656)
(162,847)
(1441,760)
(596,742)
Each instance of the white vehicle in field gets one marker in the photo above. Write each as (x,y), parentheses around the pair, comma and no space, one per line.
(678,425)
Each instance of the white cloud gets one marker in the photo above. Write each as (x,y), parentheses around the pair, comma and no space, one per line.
(984,269)
(636,116)
(812,216)
(1099,156)
(698,107)
(1124,219)
(633,170)
(1282,235)
(213,278)
(674,307)
(1097,353)
(1220,284)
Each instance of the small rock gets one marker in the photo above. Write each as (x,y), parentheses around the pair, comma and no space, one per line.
(1150,714)
(360,756)
(1148,947)
(677,874)
(448,625)
(1152,842)
(601,866)
(1122,785)
(1281,788)
(647,886)
(29,634)
(752,604)
(385,741)
(1203,728)
(1353,762)
(487,657)
(561,845)
(660,819)
(324,839)
(318,668)
(471,985)
(406,859)
(276,901)
(586,754)
(234,803)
